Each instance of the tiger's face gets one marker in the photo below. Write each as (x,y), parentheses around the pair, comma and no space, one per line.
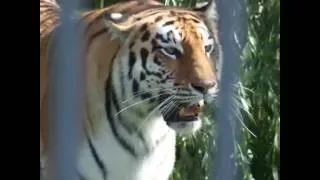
(170,66)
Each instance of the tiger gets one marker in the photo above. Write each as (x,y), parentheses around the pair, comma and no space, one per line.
(151,69)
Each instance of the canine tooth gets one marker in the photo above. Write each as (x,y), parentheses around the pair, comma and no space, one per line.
(201,103)
(181,112)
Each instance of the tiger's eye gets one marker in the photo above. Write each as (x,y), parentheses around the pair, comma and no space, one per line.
(170,50)
(208,48)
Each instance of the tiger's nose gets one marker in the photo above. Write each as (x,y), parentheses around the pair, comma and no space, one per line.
(204,85)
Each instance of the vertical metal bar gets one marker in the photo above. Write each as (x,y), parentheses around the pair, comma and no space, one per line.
(65,96)
(232,15)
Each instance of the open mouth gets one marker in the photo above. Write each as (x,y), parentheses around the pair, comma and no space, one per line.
(182,112)
(185,113)
(189,112)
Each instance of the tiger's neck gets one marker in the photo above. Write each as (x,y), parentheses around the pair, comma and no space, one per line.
(125,137)
(108,85)
(137,125)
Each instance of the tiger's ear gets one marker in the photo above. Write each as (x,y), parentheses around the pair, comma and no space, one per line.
(207,9)
(119,24)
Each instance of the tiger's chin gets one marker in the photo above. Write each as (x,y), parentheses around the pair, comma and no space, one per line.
(185,120)
(185,128)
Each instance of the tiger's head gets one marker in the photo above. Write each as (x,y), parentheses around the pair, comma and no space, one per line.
(171,61)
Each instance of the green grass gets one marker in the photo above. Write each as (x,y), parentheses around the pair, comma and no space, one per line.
(258,157)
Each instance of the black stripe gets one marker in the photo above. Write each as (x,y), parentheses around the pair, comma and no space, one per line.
(143,27)
(158,74)
(194,20)
(145,36)
(111,98)
(144,53)
(156,60)
(135,86)
(168,23)
(132,60)
(109,92)
(97,159)
(159,36)
(158,18)
(129,128)
(142,76)
(115,102)
(144,56)
(170,36)
(146,95)
(154,44)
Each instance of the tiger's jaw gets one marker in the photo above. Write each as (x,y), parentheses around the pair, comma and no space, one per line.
(185,120)
(185,117)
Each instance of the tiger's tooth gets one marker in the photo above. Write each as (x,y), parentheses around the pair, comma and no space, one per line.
(201,103)
(113,36)
(182,111)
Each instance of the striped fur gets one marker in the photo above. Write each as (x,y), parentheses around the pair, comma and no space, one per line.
(146,66)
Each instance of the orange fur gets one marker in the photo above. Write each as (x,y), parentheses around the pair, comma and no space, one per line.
(98,62)
(100,49)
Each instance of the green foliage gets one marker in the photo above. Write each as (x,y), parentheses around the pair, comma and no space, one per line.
(258,155)
(262,75)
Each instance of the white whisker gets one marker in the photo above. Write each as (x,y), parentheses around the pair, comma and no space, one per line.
(171,110)
(168,107)
(139,102)
(149,91)
(152,112)
(237,104)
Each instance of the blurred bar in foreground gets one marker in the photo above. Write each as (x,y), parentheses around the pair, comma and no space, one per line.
(233,34)
(65,95)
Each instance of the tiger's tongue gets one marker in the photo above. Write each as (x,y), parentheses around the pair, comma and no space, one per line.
(191,110)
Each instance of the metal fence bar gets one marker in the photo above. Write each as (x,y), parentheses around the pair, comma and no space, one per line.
(65,96)
(232,27)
